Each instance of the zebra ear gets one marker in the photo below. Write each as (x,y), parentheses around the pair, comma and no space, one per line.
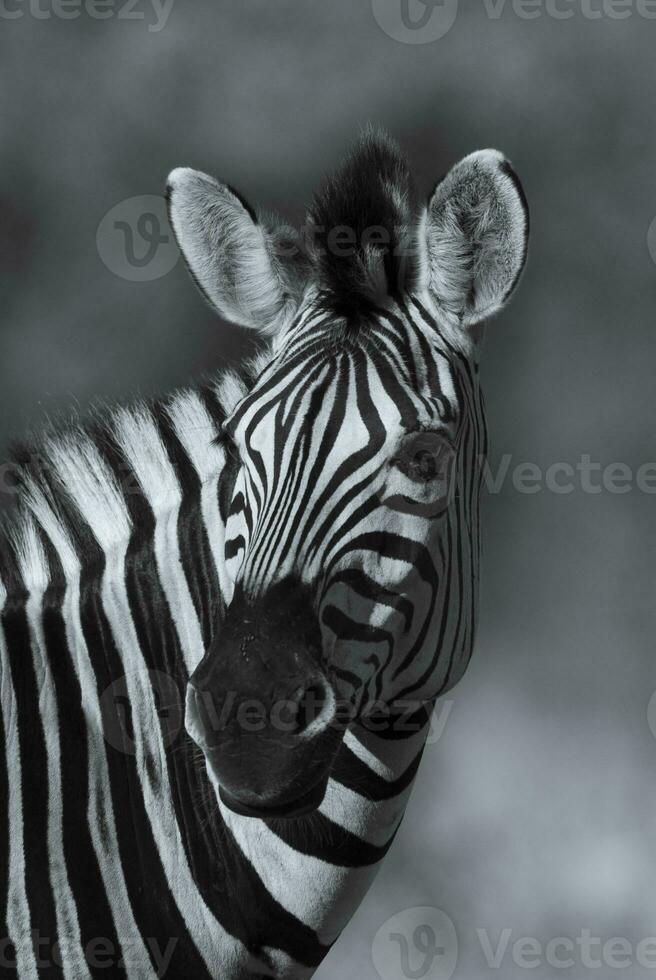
(474,236)
(253,272)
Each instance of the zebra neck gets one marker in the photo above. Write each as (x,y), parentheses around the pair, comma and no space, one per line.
(110,589)
(120,484)
(320,867)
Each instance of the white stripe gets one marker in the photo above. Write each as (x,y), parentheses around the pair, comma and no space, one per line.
(18,911)
(100,809)
(147,456)
(93,489)
(220,951)
(196,431)
(371,821)
(323,896)
(176,589)
(230,390)
(100,501)
(388,758)
(369,758)
(68,930)
(283,965)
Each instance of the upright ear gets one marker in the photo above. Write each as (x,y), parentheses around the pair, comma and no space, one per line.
(474,236)
(253,272)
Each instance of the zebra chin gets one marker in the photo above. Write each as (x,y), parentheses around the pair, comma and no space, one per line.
(261,706)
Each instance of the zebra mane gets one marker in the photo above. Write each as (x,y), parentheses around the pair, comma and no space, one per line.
(79,476)
(362,222)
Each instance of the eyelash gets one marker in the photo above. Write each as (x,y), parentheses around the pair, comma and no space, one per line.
(429,428)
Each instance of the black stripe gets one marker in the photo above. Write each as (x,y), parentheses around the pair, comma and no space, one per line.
(251,912)
(195,552)
(398,726)
(8,951)
(353,773)
(158,643)
(154,910)
(34,776)
(208,846)
(318,837)
(87,887)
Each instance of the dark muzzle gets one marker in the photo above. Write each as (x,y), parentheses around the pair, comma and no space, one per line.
(261,707)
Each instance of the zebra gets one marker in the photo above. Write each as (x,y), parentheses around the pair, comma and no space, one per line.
(226,615)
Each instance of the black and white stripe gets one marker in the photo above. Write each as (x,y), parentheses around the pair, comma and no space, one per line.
(134,535)
(109,580)
(315,436)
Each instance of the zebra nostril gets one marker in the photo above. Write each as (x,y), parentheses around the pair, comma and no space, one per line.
(313,708)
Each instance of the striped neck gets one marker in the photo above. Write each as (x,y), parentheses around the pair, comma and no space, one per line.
(111,586)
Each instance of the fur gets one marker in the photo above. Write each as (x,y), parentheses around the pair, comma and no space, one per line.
(116,575)
(361,225)
(65,484)
(475,235)
(253,271)
(365,242)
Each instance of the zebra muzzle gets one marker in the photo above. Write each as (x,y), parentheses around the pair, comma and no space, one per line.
(262,709)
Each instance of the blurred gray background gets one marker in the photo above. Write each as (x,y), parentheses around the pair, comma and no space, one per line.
(534,810)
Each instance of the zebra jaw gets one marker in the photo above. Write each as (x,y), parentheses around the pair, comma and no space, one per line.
(299,807)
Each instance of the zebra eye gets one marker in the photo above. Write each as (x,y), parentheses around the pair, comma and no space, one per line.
(425,457)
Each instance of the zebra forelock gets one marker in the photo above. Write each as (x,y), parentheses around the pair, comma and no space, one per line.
(370,201)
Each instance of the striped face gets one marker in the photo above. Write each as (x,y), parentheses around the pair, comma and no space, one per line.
(352,530)
(357,486)
(351,540)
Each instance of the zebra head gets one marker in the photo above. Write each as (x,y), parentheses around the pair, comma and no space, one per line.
(352,489)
